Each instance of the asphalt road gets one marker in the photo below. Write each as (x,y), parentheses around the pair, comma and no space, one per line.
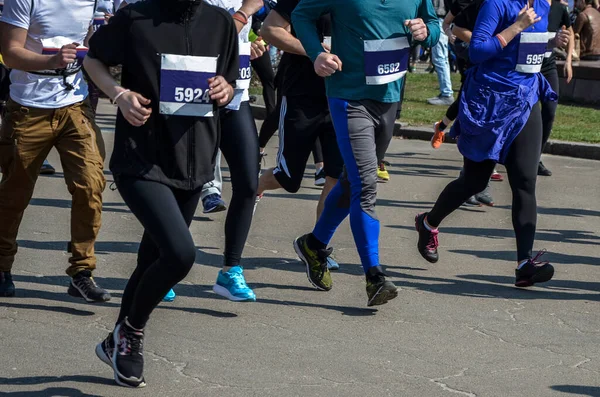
(458,328)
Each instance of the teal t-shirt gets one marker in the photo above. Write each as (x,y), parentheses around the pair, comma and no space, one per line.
(355,22)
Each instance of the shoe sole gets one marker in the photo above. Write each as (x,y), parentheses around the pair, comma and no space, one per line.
(303,259)
(224,292)
(47,172)
(381,180)
(540,277)
(214,210)
(76,293)
(497,180)
(320,182)
(382,297)
(168,300)
(132,384)
(486,204)
(102,355)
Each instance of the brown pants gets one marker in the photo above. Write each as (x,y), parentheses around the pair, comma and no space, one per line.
(26,137)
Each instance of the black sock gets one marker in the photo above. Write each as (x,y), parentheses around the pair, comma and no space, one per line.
(442,126)
(375,272)
(314,243)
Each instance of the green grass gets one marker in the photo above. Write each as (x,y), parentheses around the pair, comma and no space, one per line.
(573,122)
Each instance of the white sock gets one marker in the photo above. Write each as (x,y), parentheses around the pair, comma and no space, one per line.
(428,226)
(522,264)
(132,327)
(319,170)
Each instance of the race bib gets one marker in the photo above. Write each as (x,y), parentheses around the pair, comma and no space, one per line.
(243,82)
(532,48)
(184,87)
(386,60)
(551,35)
(98,21)
(52,47)
(327,40)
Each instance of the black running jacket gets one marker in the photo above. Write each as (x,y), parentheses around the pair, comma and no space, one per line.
(178,151)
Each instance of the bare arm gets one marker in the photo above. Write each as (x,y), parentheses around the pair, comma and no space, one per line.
(276,30)
(462,34)
(447,22)
(101,76)
(15,55)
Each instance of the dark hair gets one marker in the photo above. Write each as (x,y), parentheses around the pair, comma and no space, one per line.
(589,2)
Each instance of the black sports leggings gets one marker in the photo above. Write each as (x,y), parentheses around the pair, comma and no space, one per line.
(167,251)
(239,145)
(549,108)
(521,166)
(264,70)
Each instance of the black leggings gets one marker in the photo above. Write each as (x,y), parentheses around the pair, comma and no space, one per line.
(167,251)
(239,145)
(549,108)
(264,70)
(521,166)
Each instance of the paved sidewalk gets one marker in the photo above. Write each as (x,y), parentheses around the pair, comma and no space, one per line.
(458,328)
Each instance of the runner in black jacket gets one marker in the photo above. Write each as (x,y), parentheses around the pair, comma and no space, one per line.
(166,139)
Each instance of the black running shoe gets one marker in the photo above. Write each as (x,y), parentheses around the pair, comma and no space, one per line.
(534,272)
(105,349)
(428,240)
(380,291)
(543,171)
(47,169)
(320,178)
(316,263)
(472,202)
(84,286)
(7,287)
(128,355)
(485,198)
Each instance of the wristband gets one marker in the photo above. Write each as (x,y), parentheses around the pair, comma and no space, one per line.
(502,40)
(240,17)
(243,14)
(119,95)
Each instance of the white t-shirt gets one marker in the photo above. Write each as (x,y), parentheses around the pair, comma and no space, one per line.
(51,23)
(241,95)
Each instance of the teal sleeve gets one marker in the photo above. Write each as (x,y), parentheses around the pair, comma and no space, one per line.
(428,15)
(304,21)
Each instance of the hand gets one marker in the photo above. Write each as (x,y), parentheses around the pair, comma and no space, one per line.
(451,37)
(568,69)
(417,28)
(251,7)
(133,107)
(220,90)
(66,56)
(327,64)
(562,37)
(326,47)
(527,17)
(107,17)
(257,49)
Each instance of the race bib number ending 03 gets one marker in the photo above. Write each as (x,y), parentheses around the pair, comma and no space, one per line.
(532,47)
(53,45)
(386,60)
(184,89)
(243,82)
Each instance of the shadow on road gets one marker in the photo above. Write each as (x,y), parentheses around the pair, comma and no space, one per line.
(592,391)
(552,257)
(53,391)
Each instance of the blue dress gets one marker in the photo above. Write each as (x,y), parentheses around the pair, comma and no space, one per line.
(505,83)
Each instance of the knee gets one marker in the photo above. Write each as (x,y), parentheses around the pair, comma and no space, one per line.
(181,261)
(89,183)
(247,189)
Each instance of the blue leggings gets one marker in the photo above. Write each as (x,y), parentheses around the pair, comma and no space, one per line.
(363,130)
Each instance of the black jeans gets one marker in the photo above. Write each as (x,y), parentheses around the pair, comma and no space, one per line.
(167,251)
(521,166)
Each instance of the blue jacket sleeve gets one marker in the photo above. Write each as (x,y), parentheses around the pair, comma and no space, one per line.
(304,21)
(484,43)
(428,15)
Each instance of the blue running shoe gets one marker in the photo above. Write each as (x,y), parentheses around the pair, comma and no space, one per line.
(213,203)
(332,264)
(232,285)
(170,296)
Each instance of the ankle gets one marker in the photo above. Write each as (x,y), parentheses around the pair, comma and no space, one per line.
(314,243)
(138,329)
(428,226)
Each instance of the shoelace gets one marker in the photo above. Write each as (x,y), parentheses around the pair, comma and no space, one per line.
(238,280)
(130,342)
(432,244)
(534,261)
(87,283)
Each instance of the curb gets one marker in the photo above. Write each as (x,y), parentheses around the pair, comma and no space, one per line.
(588,151)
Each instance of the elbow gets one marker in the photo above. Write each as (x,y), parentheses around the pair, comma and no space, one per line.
(9,60)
